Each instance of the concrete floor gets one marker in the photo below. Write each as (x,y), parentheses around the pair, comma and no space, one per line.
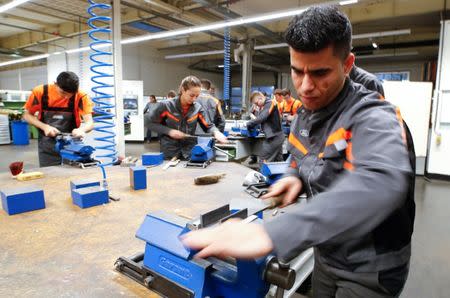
(430,264)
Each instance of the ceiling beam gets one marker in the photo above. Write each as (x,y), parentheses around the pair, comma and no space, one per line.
(175,20)
(7,16)
(228,14)
(47,14)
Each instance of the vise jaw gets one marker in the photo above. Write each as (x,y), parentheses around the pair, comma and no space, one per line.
(169,268)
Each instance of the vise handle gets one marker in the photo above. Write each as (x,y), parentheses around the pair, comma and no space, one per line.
(279,274)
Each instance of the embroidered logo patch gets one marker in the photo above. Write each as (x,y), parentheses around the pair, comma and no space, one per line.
(304,133)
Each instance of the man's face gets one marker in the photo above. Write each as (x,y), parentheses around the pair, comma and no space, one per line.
(279,97)
(318,77)
(64,94)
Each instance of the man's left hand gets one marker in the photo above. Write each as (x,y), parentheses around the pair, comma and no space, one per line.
(78,133)
(220,137)
(230,239)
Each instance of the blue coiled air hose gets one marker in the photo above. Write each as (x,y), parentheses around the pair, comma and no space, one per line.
(226,66)
(101,77)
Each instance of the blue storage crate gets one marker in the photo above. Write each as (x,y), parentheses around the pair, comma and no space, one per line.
(138,178)
(152,158)
(22,199)
(235,101)
(236,91)
(90,196)
(20,134)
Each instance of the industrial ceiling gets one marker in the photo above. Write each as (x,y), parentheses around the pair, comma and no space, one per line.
(34,27)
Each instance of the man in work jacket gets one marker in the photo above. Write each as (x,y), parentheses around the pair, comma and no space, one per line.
(270,120)
(168,115)
(278,95)
(60,108)
(290,107)
(350,158)
(211,105)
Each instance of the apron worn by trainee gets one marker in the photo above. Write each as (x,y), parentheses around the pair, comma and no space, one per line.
(61,118)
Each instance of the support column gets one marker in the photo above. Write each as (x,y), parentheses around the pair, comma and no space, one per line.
(117,61)
(247,58)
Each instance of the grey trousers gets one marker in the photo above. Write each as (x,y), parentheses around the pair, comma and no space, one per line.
(272,148)
(332,282)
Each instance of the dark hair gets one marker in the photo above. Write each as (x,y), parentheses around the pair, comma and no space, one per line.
(278,92)
(189,82)
(286,92)
(317,28)
(172,94)
(206,84)
(68,81)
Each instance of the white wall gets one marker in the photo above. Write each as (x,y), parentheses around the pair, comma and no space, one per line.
(439,151)
(258,79)
(414,101)
(24,78)
(145,63)
(139,62)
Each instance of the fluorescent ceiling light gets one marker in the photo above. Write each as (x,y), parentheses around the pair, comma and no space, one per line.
(11,4)
(37,57)
(72,51)
(411,53)
(282,45)
(189,30)
(215,26)
(382,34)
(194,54)
(271,46)
(347,2)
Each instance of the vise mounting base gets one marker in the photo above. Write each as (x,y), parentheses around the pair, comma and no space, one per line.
(257,189)
(198,164)
(133,268)
(86,164)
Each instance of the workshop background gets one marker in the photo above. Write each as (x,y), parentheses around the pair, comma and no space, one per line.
(405,43)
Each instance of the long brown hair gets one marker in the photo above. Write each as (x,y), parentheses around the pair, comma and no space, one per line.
(189,82)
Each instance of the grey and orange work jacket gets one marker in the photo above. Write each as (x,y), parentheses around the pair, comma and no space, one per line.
(352,159)
(213,109)
(168,115)
(269,118)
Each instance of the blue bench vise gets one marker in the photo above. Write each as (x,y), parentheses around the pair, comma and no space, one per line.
(272,171)
(74,151)
(245,132)
(168,268)
(202,154)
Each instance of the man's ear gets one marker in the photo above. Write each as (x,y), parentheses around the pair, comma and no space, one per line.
(348,63)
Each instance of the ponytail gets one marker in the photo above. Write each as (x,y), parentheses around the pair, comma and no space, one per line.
(189,82)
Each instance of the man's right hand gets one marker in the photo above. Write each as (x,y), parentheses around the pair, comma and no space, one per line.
(288,188)
(50,131)
(176,134)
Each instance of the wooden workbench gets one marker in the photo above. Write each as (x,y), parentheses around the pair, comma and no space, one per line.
(67,251)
